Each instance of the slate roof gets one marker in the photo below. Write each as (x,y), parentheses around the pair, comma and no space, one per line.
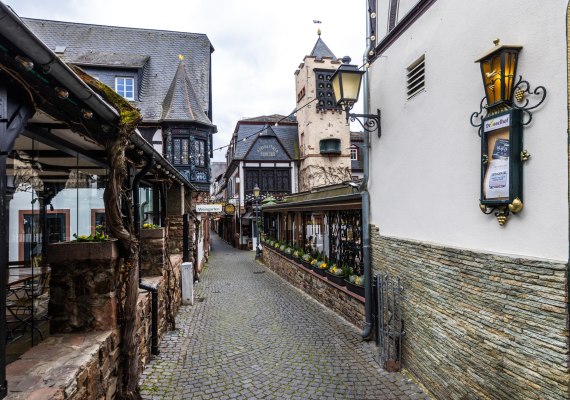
(321,50)
(181,103)
(287,135)
(105,58)
(87,43)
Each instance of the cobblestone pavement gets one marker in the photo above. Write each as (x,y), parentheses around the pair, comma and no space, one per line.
(251,335)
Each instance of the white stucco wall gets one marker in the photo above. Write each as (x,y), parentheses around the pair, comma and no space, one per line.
(425,169)
(68,199)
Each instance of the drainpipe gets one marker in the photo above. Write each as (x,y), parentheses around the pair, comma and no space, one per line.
(137,197)
(137,221)
(154,322)
(368,324)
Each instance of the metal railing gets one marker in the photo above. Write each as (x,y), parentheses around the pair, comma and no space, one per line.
(390,330)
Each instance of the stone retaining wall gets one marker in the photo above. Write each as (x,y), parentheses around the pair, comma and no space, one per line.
(348,305)
(144,306)
(480,326)
(67,366)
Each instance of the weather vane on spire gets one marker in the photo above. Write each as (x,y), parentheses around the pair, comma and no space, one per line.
(316,21)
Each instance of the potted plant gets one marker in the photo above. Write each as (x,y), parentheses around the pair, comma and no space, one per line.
(306,260)
(297,254)
(288,252)
(320,267)
(336,274)
(152,231)
(355,284)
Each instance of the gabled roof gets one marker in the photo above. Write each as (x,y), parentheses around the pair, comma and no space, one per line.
(84,42)
(247,135)
(321,50)
(181,102)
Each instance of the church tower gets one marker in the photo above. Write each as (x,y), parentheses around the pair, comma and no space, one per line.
(324,135)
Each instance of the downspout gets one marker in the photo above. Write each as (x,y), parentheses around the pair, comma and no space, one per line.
(137,198)
(137,221)
(154,322)
(368,324)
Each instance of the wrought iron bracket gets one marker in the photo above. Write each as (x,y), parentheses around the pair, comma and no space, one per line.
(522,90)
(371,121)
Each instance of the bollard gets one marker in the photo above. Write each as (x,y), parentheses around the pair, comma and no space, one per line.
(187,283)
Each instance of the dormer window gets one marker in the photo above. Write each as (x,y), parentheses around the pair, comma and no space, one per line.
(125,87)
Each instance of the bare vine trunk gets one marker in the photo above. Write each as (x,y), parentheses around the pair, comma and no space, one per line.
(128,287)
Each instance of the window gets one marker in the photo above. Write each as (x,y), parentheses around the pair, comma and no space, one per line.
(180,149)
(416,77)
(199,151)
(330,146)
(125,87)
(353,153)
(325,94)
(269,180)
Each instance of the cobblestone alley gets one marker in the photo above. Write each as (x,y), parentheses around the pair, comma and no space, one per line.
(252,336)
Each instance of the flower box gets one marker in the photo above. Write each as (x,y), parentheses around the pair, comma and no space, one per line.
(306,264)
(64,252)
(320,271)
(338,279)
(356,289)
(152,233)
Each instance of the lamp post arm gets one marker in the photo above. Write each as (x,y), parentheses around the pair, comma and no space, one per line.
(371,124)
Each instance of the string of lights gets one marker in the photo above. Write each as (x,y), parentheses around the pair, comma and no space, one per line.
(262,129)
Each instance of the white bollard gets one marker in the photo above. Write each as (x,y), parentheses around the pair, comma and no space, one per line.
(187,283)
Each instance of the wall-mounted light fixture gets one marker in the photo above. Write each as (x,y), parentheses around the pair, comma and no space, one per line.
(61,93)
(346,87)
(25,63)
(503,112)
(87,114)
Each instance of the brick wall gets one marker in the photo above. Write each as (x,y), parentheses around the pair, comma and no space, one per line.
(337,298)
(480,326)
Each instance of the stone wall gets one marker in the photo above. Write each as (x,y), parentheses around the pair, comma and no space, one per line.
(67,366)
(337,298)
(175,234)
(173,296)
(480,326)
(153,251)
(82,286)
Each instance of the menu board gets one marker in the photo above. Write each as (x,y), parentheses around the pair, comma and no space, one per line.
(496,179)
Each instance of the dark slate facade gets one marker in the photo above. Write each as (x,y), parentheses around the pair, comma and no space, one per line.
(166,74)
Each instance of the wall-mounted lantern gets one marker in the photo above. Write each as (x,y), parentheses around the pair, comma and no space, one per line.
(346,87)
(503,112)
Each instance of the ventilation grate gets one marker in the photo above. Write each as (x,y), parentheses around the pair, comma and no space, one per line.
(416,77)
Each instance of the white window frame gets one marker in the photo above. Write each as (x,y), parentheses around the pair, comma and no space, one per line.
(353,153)
(125,78)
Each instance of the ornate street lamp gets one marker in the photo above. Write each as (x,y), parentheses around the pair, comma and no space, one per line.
(503,113)
(256,192)
(498,70)
(346,87)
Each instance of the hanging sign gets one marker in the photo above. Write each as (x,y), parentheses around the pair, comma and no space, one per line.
(208,208)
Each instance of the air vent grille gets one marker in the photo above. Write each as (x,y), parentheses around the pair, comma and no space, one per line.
(416,78)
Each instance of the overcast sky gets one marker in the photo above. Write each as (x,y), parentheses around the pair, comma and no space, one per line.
(258,43)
